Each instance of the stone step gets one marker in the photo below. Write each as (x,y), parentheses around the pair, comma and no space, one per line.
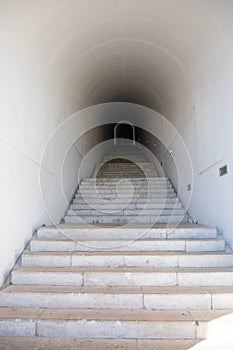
(123,277)
(122,167)
(125,166)
(125,175)
(125,184)
(109,323)
(107,180)
(117,161)
(126,188)
(189,245)
(159,298)
(126,156)
(161,196)
(128,173)
(141,172)
(23,343)
(131,206)
(137,181)
(127,259)
(122,162)
(144,173)
(126,162)
(125,194)
(129,188)
(125,211)
(125,200)
(91,219)
(135,212)
(161,231)
(126,191)
(124,159)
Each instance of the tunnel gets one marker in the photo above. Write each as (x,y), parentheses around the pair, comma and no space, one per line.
(71,71)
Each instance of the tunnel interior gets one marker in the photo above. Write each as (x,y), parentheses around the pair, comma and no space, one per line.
(125,131)
(160,65)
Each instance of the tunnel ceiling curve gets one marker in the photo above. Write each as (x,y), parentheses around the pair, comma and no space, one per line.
(138,51)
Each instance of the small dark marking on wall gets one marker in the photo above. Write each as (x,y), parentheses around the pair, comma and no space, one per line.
(223,170)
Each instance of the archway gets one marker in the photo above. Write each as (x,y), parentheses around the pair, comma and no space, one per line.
(116,131)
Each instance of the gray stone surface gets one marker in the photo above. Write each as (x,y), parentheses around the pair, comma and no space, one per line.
(121,285)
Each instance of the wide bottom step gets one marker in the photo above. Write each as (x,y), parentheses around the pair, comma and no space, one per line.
(110,324)
(113,324)
(20,343)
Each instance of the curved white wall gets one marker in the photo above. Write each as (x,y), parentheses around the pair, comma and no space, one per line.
(58,57)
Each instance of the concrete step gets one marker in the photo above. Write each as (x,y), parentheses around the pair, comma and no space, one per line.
(159,231)
(138,168)
(190,245)
(158,298)
(135,196)
(131,206)
(126,191)
(125,200)
(23,343)
(107,180)
(122,167)
(130,158)
(91,219)
(136,181)
(128,173)
(126,211)
(127,259)
(125,175)
(125,277)
(121,170)
(126,164)
(124,184)
(109,323)
(135,212)
(127,187)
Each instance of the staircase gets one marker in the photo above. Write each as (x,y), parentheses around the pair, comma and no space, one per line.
(125,271)
(125,190)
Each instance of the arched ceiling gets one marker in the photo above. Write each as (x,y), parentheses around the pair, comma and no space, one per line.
(122,50)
